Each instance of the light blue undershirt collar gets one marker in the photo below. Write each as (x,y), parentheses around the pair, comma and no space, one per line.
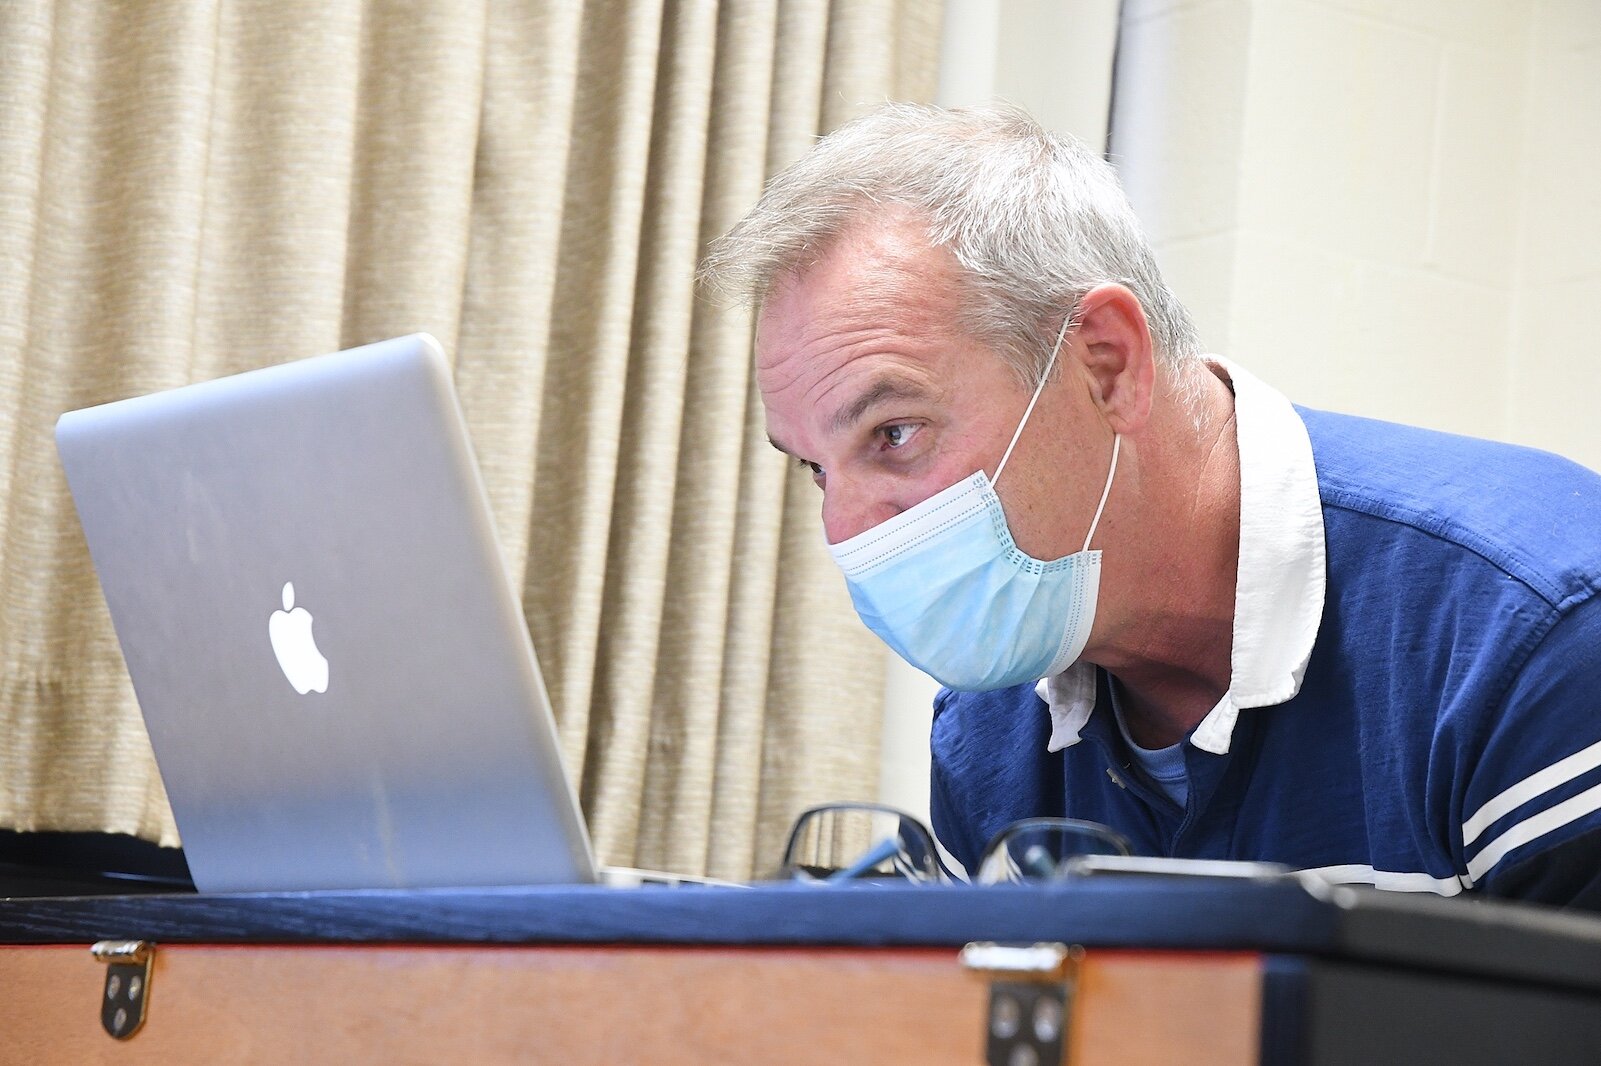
(1164,766)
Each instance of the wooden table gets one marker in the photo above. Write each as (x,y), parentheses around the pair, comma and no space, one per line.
(1173,970)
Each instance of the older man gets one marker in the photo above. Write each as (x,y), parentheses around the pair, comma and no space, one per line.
(1161,597)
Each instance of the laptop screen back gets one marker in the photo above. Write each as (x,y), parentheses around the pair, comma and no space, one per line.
(331,662)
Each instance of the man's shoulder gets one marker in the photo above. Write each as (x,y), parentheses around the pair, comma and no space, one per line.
(968,723)
(1533,515)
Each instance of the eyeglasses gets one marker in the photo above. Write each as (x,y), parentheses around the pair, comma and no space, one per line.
(859,841)
(1044,849)
(870,841)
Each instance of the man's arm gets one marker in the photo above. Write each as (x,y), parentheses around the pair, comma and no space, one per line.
(990,767)
(1532,808)
(1567,875)
(953,831)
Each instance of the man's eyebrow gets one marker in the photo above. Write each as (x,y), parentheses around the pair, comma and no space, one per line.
(882,390)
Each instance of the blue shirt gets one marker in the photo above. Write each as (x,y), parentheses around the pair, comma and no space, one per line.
(1445,734)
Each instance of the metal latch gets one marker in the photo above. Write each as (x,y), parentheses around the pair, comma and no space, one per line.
(122,1007)
(1031,1000)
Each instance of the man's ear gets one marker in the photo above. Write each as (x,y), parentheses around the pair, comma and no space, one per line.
(1113,342)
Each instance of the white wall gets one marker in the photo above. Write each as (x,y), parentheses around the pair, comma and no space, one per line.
(1380,207)
(1389,207)
(1554,367)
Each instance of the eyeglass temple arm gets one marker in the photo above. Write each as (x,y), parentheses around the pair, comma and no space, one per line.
(884,849)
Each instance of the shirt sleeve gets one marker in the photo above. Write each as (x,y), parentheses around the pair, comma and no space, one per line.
(990,767)
(952,832)
(1566,875)
(1532,805)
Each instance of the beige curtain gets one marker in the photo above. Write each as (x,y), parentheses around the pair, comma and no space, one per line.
(194,189)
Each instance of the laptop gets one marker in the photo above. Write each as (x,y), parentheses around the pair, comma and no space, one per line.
(329,656)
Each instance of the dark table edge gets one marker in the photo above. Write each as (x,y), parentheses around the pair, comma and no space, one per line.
(1488,938)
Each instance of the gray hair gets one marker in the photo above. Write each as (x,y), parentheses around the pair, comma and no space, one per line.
(1034,220)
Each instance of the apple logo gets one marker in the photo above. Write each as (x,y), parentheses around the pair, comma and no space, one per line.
(296,648)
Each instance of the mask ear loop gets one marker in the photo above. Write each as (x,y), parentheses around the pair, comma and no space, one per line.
(1117,441)
(1117,438)
(1045,377)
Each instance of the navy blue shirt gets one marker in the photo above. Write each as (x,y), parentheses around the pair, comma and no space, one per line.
(1446,735)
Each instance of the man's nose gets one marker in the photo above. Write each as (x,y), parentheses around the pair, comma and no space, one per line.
(847,511)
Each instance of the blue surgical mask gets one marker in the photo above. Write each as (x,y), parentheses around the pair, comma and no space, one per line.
(947,588)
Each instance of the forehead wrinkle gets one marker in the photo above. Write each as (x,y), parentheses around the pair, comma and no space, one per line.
(904,344)
(877,277)
(879,291)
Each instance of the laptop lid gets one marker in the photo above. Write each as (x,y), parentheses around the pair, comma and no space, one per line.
(331,661)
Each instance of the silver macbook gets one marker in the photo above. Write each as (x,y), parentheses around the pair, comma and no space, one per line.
(331,661)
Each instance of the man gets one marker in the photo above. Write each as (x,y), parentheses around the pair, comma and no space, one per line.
(1161,597)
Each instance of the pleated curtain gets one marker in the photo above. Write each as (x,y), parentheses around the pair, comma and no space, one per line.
(189,190)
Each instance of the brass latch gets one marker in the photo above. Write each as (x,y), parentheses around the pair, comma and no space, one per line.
(127,991)
(1031,1000)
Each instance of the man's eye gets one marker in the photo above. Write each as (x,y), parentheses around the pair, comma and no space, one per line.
(899,433)
(811,468)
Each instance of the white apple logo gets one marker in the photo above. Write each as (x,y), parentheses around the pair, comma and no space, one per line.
(296,648)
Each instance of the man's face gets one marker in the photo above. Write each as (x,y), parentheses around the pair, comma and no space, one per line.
(868,380)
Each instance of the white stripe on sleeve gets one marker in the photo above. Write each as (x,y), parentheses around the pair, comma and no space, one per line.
(1389,880)
(1548,820)
(1558,773)
(952,865)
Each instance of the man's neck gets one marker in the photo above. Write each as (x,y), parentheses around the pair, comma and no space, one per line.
(1174,664)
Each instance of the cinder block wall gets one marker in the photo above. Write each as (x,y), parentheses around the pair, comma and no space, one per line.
(1381,207)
